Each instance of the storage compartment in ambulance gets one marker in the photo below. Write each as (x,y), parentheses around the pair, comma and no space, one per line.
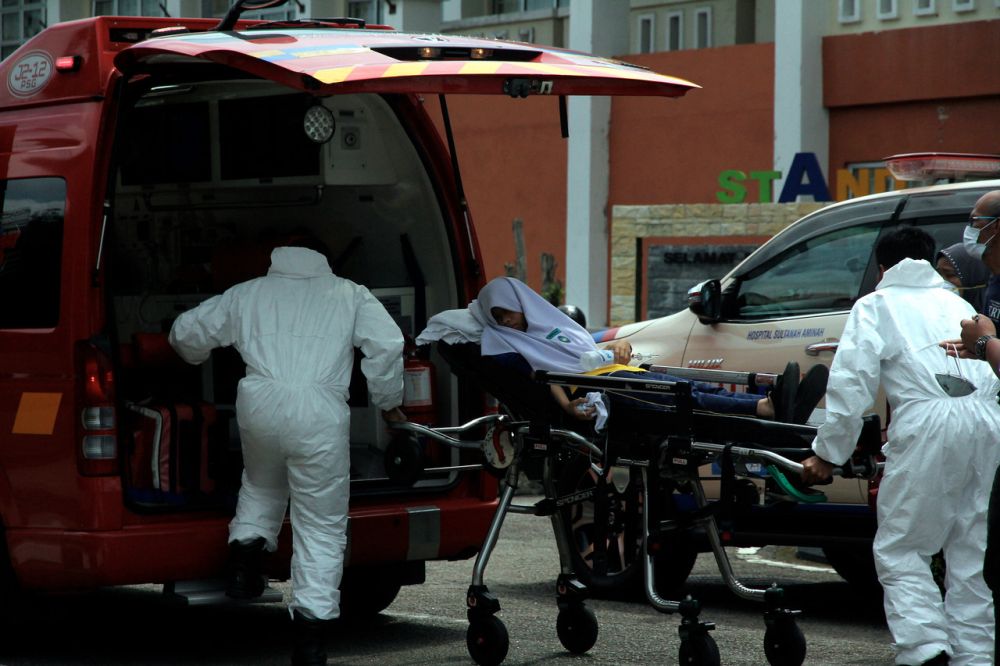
(211,176)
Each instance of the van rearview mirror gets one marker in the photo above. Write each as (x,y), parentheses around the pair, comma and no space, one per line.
(705,300)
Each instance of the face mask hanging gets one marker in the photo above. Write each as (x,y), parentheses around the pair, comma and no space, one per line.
(954,385)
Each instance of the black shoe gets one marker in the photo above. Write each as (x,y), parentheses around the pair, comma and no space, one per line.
(940,660)
(246,577)
(310,640)
(786,386)
(811,391)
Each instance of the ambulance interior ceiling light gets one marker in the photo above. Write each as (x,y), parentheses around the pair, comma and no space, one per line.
(938,166)
(318,123)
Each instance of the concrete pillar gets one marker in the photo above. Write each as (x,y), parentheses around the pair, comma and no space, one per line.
(599,27)
(801,122)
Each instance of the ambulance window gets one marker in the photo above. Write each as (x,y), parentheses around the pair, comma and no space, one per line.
(821,274)
(31,227)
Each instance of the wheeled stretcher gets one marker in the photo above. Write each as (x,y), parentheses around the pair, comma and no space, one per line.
(654,451)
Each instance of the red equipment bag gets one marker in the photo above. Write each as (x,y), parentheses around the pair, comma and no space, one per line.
(172,448)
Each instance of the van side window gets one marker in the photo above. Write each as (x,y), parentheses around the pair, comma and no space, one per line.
(31,227)
(820,274)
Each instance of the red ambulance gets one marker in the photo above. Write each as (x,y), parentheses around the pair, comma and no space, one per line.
(147,164)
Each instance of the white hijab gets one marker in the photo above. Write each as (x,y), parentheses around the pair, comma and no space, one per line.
(552,340)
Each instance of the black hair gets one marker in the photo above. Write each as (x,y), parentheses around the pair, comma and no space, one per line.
(904,243)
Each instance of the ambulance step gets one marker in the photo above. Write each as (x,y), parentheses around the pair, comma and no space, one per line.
(213,593)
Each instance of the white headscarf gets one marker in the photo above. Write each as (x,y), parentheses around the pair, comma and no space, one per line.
(552,340)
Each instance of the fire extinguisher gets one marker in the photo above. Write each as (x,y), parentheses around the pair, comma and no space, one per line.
(419,386)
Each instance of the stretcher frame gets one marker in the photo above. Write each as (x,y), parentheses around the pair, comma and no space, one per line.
(666,444)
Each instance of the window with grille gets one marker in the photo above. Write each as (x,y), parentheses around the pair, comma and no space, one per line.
(647,34)
(675,31)
(849,11)
(887,10)
(703,28)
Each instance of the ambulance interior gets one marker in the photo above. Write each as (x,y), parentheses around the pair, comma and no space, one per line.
(210,176)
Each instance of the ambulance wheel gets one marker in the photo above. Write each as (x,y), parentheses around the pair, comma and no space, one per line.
(784,644)
(487,640)
(367,591)
(699,651)
(577,628)
(403,462)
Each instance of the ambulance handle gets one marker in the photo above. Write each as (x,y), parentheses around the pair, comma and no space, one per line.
(100,243)
(827,346)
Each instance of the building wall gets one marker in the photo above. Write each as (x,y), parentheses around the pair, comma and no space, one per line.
(662,150)
(875,112)
(944,12)
(513,161)
(672,150)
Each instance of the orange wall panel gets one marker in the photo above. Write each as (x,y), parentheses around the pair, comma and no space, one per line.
(871,133)
(513,161)
(672,150)
(951,60)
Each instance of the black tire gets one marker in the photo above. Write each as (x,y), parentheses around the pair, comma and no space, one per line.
(855,564)
(576,627)
(487,640)
(699,651)
(784,644)
(367,591)
(621,574)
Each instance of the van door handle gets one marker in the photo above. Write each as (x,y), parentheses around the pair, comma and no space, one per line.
(817,347)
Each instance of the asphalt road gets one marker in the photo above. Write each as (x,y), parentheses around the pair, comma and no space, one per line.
(427,623)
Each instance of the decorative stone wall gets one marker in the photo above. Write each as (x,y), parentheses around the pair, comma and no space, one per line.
(686,228)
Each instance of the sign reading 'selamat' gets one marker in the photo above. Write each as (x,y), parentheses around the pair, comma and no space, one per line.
(671,269)
(804,178)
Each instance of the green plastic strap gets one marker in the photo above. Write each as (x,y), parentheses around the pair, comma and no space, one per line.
(809,496)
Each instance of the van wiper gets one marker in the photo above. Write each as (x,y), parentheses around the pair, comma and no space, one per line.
(312,23)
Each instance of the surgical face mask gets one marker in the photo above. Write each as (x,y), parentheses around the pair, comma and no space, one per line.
(970,240)
(954,385)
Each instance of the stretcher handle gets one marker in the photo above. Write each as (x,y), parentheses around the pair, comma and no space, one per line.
(851,470)
(627,384)
(719,376)
(442,434)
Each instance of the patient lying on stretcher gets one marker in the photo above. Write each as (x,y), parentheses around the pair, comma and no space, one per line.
(523,331)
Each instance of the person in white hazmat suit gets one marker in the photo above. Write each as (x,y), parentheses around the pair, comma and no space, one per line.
(940,454)
(296,329)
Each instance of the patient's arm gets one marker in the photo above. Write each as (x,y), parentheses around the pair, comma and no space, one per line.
(571,406)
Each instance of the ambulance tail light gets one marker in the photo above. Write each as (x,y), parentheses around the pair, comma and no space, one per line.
(97,454)
(942,166)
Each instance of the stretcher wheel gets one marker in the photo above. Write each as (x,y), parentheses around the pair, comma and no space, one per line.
(784,644)
(619,574)
(498,450)
(699,650)
(577,628)
(403,459)
(487,640)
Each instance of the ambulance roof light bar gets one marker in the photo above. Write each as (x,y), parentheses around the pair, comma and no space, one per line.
(943,166)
